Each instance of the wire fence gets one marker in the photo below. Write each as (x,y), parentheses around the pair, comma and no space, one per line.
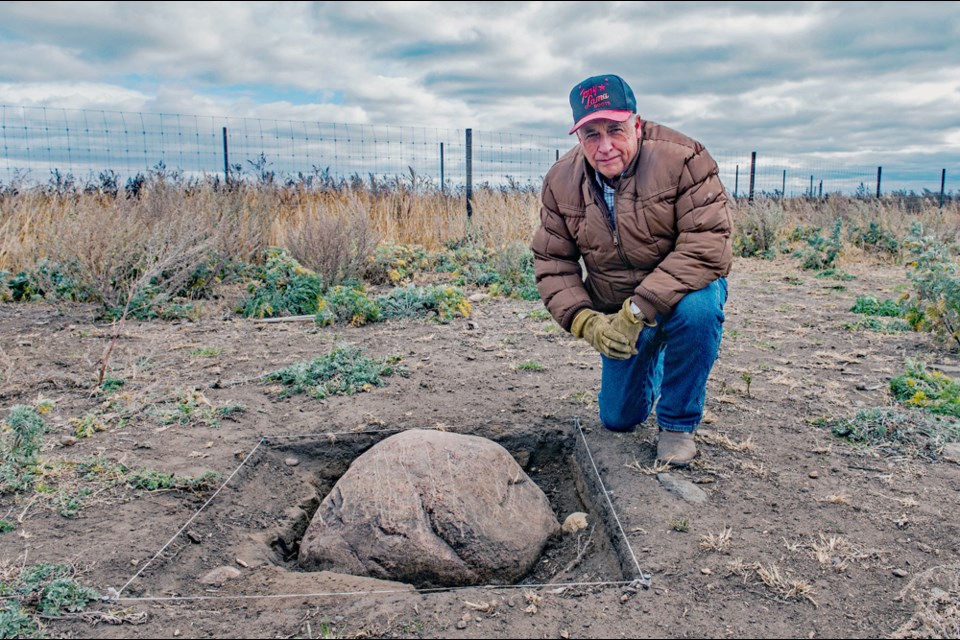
(43,144)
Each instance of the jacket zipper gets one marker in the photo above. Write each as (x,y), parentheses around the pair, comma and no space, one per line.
(613,232)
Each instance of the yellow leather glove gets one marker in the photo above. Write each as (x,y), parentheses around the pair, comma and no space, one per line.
(629,323)
(596,328)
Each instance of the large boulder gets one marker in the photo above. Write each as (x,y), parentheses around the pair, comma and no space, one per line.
(433,509)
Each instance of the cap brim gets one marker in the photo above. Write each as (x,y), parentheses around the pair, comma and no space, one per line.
(619,116)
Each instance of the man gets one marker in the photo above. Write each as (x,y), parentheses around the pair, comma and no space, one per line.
(642,206)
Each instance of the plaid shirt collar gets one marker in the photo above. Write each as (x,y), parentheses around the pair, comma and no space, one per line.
(608,192)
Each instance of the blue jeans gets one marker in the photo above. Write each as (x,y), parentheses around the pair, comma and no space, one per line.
(671,367)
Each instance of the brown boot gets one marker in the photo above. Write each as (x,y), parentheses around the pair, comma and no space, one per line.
(676,448)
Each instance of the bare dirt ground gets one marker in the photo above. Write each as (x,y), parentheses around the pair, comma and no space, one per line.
(799,534)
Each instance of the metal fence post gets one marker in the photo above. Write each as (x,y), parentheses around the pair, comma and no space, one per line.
(753,173)
(441,167)
(879,171)
(226,159)
(469,142)
(736,182)
(943,183)
(783,187)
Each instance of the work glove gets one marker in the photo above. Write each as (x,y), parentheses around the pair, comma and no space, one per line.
(628,323)
(596,328)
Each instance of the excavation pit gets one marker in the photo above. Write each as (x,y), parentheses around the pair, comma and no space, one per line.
(257,522)
(548,463)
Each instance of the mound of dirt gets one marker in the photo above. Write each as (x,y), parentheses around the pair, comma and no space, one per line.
(432,509)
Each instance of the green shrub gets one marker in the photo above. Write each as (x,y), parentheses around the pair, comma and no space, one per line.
(42,589)
(822,253)
(185,407)
(6,295)
(64,595)
(93,475)
(152,302)
(151,480)
(934,305)
(507,272)
(347,305)
(875,239)
(21,438)
(15,622)
(755,243)
(216,269)
(157,297)
(344,371)
(932,391)
(111,384)
(396,263)
(803,234)
(206,352)
(872,323)
(455,256)
(530,365)
(871,306)
(757,227)
(284,288)
(537,314)
(49,280)
(351,305)
(514,268)
(440,303)
(896,430)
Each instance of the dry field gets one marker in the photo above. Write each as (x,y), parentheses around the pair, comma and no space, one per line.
(178,486)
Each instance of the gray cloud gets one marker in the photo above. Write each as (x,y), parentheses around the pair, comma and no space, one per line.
(863,80)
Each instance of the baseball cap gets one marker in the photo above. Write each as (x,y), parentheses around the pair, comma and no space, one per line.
(607,96)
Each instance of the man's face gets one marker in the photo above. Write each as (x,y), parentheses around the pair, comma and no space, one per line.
(608,145)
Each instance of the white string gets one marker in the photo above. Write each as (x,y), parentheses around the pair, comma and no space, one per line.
(192,518)
(494,587)
(642,578)
(327,434)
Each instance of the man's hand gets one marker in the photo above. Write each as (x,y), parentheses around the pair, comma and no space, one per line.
(596,328)
(627,323)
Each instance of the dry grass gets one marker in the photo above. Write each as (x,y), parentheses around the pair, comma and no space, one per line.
(704,464)
(170,226)
(241,222)
(334,239)
(720,440)
(909,501)
(754,468)
(652,470)
(717,542)
(832,551)
(893,214)
(502,218)
(771,577)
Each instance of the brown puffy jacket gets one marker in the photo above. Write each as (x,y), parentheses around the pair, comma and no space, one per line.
(673,231)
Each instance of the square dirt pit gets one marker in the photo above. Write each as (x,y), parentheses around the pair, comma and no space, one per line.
(246,540)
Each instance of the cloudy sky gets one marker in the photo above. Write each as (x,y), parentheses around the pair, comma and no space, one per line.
(862,83)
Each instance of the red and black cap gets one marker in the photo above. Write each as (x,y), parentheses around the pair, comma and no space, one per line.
(607,96)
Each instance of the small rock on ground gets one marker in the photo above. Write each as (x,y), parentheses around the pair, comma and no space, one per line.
(683,489)
(220,575)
